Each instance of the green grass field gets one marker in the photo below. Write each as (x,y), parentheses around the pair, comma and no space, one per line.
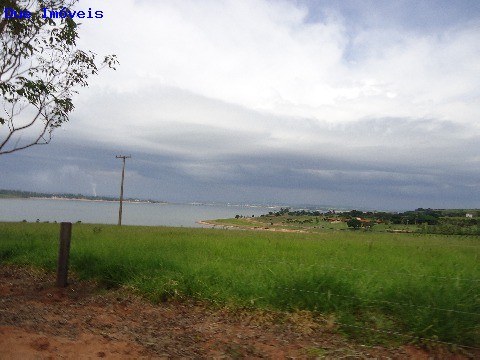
(423,286)
(303,223)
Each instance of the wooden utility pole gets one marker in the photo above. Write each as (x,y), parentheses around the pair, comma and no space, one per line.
(121,187)
(64,253)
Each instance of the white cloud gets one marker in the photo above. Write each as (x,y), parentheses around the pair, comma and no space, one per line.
(266,56)
(207,82)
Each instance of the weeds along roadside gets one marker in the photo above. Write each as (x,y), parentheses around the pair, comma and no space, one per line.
(422,286)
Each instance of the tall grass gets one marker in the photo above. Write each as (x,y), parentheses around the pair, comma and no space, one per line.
(426,286)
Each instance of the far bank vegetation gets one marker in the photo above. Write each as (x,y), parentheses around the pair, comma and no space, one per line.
(425,221)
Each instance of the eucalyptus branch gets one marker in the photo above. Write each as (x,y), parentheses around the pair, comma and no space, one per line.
(40,67)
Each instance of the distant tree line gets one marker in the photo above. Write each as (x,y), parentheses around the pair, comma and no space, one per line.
(287,211)
(438,221)
(32,194)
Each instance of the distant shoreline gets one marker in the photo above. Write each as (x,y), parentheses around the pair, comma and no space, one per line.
(80,199)
(18,194)
(93,200)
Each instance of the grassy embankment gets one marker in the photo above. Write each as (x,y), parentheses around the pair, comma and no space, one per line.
(303,223)
(425,286)
(447,222)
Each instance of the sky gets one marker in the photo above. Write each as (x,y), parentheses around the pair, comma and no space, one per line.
(354,103)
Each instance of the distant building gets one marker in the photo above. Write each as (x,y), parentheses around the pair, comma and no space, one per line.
(469,215)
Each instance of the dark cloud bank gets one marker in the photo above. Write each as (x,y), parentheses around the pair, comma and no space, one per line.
(392,175)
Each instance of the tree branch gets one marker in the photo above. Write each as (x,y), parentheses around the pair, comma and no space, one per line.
(40,66)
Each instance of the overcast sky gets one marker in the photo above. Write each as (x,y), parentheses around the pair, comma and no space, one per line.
(359,103)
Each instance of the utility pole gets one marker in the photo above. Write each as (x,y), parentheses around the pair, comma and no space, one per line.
(123,157)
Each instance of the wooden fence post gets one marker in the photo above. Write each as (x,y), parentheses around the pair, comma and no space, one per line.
(63,253)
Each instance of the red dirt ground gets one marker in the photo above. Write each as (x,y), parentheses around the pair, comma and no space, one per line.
(82,321)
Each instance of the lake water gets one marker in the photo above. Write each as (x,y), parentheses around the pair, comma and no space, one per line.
(100,212)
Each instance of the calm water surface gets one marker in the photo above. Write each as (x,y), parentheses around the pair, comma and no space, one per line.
(99,212)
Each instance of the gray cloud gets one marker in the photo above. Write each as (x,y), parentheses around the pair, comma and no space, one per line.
(321,177)
(274,102)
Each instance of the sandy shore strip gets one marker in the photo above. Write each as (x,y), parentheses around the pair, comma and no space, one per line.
(240,227)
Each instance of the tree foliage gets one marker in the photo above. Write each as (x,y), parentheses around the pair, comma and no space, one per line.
(354,223)
(41,69)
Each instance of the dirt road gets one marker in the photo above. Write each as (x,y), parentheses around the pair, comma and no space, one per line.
(40,321)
